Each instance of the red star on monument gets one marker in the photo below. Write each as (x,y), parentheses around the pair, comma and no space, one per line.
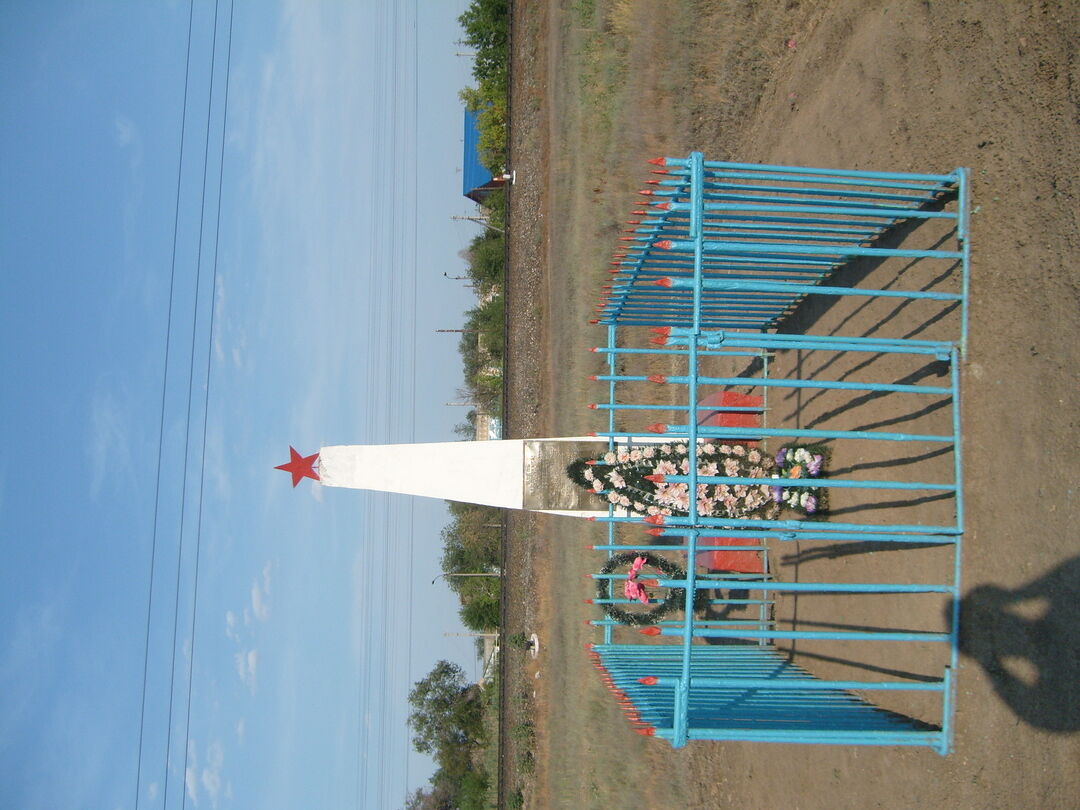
(300,466)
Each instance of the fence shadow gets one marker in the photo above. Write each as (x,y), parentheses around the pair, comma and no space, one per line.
(1027,640)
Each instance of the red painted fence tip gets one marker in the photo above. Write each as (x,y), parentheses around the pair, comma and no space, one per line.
(658,161)
(657,378)
(652,630)
(649,680)
(664,244)
(663,282)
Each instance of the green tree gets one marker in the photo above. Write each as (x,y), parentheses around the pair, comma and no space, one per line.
(481,613)
(446,716)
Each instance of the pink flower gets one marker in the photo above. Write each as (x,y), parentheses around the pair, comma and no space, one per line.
(665,468)
(631,590)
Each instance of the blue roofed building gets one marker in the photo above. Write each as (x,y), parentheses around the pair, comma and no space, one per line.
(477,182)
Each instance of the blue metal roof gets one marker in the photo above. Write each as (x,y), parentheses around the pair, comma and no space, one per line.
(473,174)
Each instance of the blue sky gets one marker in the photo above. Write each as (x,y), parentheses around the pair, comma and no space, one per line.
(301,310)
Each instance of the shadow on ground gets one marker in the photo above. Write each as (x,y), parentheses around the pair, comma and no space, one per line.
(1028,642)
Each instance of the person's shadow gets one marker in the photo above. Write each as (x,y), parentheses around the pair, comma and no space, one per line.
(1028,641)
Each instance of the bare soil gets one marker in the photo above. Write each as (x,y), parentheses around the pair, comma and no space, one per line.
(599,87)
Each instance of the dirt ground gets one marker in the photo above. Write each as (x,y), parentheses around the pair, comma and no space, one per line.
(598,87)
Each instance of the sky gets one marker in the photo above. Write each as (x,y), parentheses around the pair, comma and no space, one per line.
(225,230)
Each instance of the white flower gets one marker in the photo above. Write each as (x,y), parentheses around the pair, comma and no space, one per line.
(589,474)
(754,456)
(649,452)
(617,480)
(609,458)
(738,450)
(635,455)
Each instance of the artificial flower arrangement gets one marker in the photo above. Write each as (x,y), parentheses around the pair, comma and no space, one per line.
(794,461)
(636,479)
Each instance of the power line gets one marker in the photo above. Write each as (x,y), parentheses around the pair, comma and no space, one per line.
(161,423)
(187,427)
(209,356)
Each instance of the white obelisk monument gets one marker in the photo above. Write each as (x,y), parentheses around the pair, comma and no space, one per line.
(507,473)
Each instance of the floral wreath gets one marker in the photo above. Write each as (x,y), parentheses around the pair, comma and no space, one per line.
(634,588)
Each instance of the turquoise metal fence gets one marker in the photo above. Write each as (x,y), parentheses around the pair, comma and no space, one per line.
(721,267)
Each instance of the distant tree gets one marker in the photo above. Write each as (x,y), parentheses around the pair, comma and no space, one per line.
(438,798)
(481,613)
(446,718)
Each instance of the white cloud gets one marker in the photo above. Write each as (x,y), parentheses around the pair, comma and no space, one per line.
(259,606)
(247,666)
(230,626)
(260,594)
(241,728)
(211,773)
(190,773)
(108,444)
(191,785)
(152,791)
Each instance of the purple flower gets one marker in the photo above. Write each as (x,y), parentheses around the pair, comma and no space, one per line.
(781,455)
(777,493)
(811,505)
(814,467)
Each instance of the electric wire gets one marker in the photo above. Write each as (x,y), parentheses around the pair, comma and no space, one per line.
(161,423)
(187,428)
(206,391)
